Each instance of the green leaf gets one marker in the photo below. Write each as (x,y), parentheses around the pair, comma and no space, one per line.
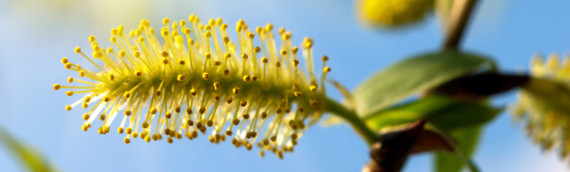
(467,140)
(28,156)
(444,112)
(413,75)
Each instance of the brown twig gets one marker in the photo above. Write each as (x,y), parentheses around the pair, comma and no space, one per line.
(460,13)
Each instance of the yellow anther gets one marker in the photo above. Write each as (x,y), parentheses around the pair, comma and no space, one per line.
(122,53)
(102,117)
(189,110)
(69,93)
(193,92)
(109,50)
(229,100)
(216,85)
(141,39)
(208,34)
(325,58)
(107,99)
(307,43)
(244,56)
(326,69)
(164,54)
(67,107)
(218,21)
(77,50)
(81,73)
(120,130)
(64,60)
(224,26)
(283,52)
(235,121)
(268,27)
(251,35)
(114,31)
(137,54)
(86,116)
(157,93)
(97,54)
(228,55)
(257,49)
(295,49)
(264,60)
(129,130)
(235,90)
(186,31)
(111,77)
(297,94)
(208,55)
(164,61)
(127,140)
(278,64)
(258,30)
(84,127)
(243,103)
(68,65)
(127,94)
(56,87)
(180,77)
(138,73)
(313,88)
(87,99)
(205,75)
(153,110)
(281,30)
(202,110)
(313,103)
(246,78)
(295,62)
(84,105)
(165,21)
(145,124)
(181,62)
(128,112)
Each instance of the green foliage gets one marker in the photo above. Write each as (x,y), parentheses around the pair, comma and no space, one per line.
(27,155)
(413,75)
(444,112)
(467,139)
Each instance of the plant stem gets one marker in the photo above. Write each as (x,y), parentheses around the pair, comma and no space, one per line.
(350,116)
(461,11)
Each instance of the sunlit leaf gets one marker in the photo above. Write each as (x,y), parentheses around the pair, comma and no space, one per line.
(467,140)
(27,155)
(413,75)
(444,112)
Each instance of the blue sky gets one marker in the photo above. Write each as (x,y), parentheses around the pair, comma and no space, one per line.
(34,35)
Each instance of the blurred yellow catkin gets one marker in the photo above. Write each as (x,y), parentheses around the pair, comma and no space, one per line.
(392,13)
(544,105)
(198,79)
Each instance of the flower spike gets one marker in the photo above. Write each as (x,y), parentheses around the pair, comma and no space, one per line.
(249,91)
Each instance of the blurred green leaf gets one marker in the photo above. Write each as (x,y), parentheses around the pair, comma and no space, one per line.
(444,112)
(413,75)
(467,140)
(28,156)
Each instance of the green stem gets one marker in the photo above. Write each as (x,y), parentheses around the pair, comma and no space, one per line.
(350,116)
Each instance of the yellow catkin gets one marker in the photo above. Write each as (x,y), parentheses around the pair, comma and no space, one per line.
(545,115)
(185,84)
(392,13)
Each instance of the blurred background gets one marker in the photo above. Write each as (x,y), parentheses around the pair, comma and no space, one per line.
(36,34)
